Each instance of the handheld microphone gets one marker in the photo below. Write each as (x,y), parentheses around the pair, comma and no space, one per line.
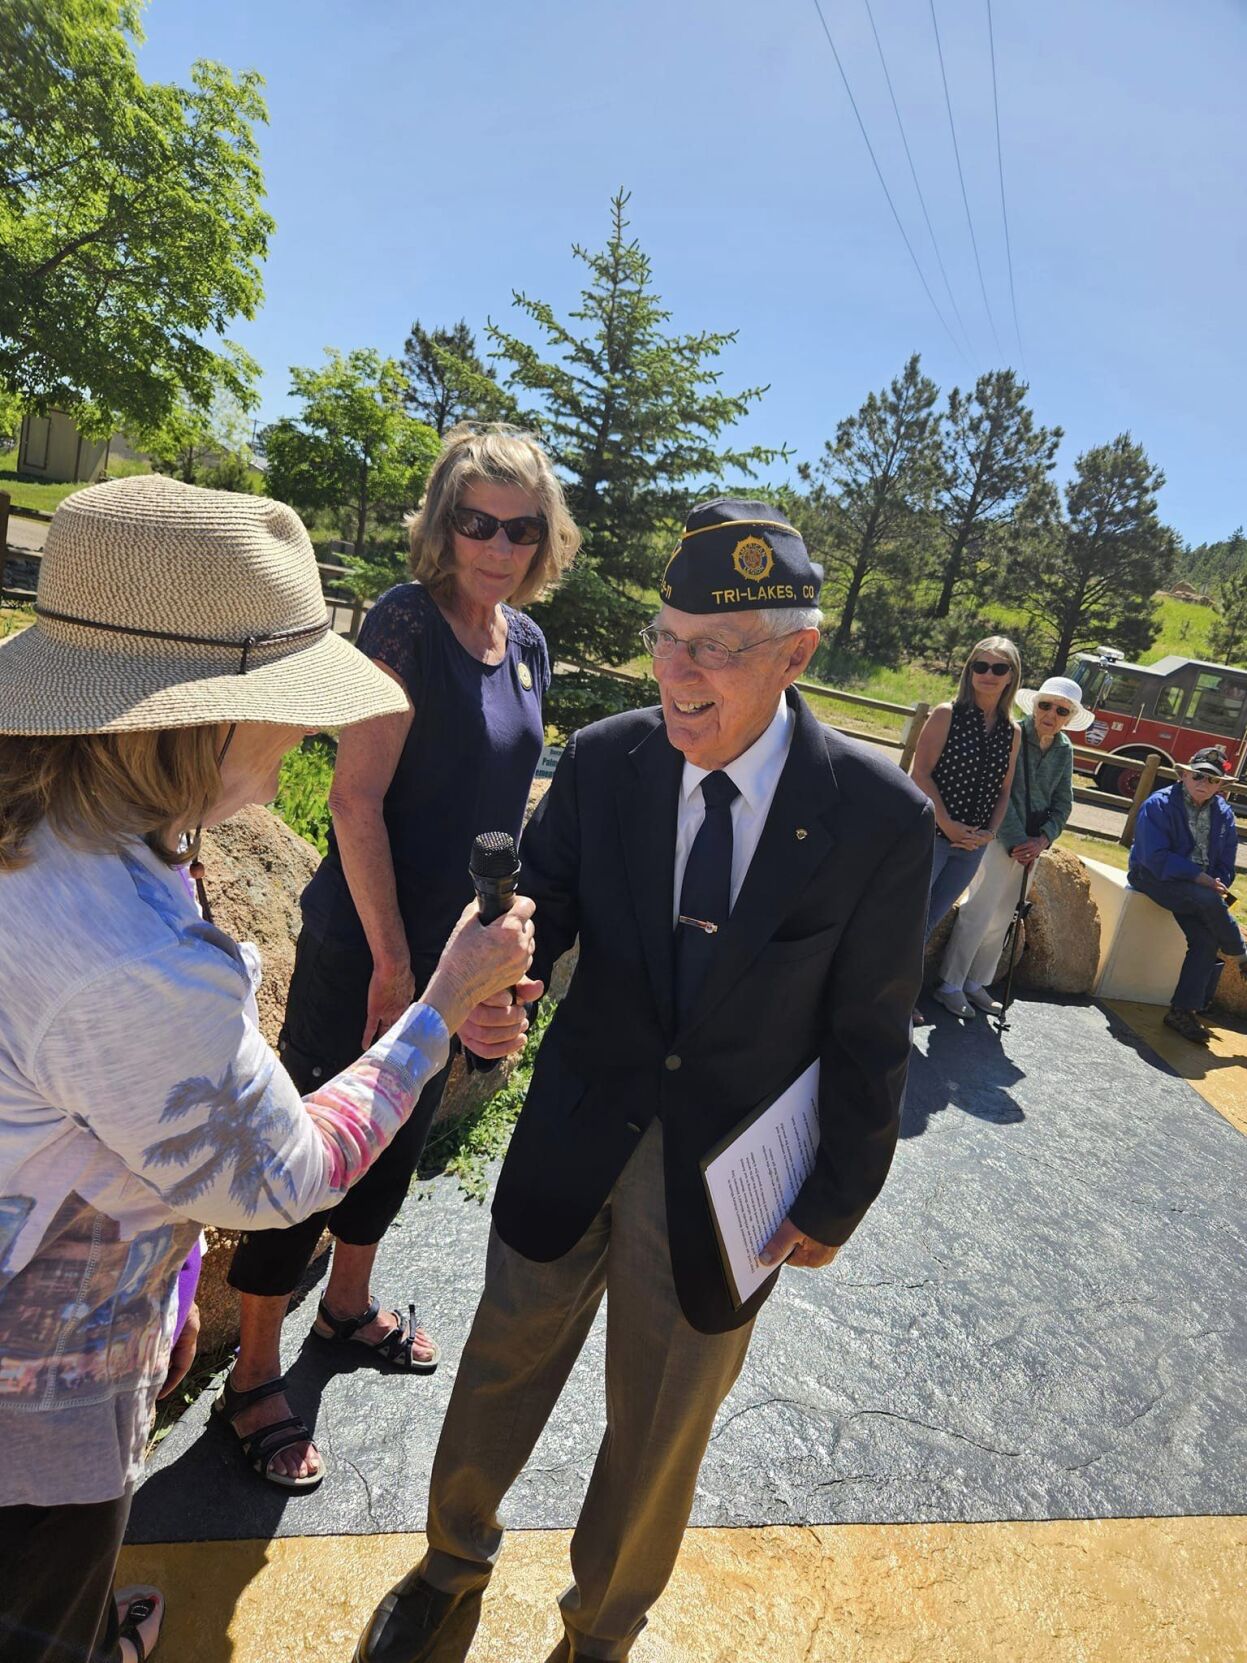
(494,868)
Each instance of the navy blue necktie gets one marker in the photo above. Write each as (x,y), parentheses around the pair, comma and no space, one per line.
(706,893)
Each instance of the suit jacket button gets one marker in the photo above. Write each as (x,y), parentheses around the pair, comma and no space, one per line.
(673,1062)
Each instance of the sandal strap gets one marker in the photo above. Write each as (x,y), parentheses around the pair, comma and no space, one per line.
(129,1627)
(235,1401)
(345,1328)
(398,1344)
(266,1442)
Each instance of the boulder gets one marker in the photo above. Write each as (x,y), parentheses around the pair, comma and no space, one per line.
(255,869)
(1062,942)
(1059,949)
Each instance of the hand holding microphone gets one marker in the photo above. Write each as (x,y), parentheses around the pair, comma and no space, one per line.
(496,1027)
(480,963)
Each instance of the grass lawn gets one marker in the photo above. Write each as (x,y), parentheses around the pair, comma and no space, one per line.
(27,492)
(13,618)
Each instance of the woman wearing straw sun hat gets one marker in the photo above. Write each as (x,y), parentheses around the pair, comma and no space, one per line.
(180,648)
(1039,805)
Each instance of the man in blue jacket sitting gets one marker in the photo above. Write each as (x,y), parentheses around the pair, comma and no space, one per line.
(1185,841)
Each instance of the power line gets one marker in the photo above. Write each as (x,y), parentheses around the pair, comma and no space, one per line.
(884,184)
(948,103)
(1000,168)
(913,172)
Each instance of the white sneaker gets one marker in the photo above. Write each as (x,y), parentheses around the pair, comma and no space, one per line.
(982,1000)
(953,999)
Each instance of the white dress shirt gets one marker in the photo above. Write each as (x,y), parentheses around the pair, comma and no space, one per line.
(755,773)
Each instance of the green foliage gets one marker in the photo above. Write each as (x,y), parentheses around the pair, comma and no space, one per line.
(448,383)
(633,417)
(14,618)
(464,1147)
(131,225)
(1092,577)
(1229,633)
(872,492)
(203,446)
(995,465)
(303,789)
(1210,563)
(353,443)
(577,698)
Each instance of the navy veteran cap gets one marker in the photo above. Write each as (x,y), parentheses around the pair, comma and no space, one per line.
(739,557)
(1210,762)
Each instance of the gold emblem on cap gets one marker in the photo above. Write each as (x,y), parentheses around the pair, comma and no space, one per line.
(753,558)
(526,677)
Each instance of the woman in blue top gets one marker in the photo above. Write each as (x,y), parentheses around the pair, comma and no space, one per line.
(410,792)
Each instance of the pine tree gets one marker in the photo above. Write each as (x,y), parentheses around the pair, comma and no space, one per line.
(994,459)
(1092,578)
(1229,633)
(633,418)
(873,489)
(447,381)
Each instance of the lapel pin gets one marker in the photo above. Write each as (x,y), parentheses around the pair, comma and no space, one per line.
(801,833)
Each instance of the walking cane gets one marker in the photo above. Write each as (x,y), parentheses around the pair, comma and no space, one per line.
(1019,917)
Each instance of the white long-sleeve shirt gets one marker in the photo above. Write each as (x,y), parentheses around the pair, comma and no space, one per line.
(138,1100)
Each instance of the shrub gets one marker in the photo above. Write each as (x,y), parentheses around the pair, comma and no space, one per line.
(303,789)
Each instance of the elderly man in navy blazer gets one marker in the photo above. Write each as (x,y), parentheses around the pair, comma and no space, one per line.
(749,892)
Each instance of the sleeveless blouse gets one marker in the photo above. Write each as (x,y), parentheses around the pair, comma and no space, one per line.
(973,764)
(467,766)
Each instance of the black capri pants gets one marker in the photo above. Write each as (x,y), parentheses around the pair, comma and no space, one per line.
(326,1008)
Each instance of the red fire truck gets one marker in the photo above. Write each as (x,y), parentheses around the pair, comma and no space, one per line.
(1172,707)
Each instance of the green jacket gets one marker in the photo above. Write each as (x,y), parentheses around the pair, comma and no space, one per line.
(1052,787)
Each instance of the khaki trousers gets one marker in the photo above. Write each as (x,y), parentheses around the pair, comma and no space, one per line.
(664,1384)
(978,937)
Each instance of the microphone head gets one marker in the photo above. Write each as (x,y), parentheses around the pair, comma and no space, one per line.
(493,856)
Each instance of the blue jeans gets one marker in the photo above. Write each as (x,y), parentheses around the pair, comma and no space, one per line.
(951,871)
(1205,921)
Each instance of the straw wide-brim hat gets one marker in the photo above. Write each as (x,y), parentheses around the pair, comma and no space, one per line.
(163,605)
(1058,687)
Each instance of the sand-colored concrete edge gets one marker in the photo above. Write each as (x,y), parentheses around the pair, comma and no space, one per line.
(1147,1590)
(1218,1071)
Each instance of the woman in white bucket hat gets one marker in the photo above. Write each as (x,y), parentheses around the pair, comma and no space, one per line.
(180,648)
(1039,805)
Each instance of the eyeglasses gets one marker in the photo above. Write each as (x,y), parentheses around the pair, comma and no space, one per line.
(1047,704)
(704,651)
(981,667)
(524,529)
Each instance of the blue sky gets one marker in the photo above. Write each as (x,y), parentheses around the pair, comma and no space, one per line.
(424,160)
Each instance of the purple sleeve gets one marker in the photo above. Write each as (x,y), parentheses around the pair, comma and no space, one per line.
(188,1281)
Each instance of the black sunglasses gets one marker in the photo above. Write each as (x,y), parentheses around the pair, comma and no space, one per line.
(1047,704)
(524,529)
(981,667)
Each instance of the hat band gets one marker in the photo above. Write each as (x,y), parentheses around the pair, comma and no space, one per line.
(244,646)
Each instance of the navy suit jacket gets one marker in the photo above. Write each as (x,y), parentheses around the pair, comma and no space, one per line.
(821,956)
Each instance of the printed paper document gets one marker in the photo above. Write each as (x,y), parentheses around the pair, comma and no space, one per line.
(753,1179)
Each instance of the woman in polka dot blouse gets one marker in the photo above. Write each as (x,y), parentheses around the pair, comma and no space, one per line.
(964,761)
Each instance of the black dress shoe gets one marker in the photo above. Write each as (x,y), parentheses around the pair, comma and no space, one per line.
(411,1621)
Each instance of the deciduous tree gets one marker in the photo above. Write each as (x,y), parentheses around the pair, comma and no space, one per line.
(131,225)
(352,444)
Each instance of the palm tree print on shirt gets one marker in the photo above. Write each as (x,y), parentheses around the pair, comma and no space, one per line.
(234,1136)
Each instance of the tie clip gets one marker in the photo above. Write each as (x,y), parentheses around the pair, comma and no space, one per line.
(698,924)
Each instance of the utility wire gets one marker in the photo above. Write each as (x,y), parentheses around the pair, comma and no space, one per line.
(1000,169)
(948,103)
(883,182)
(913,173)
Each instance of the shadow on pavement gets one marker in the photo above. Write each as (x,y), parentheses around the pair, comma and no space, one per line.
(960,1066)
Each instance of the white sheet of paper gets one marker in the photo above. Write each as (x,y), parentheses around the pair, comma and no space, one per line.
(754,1181)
